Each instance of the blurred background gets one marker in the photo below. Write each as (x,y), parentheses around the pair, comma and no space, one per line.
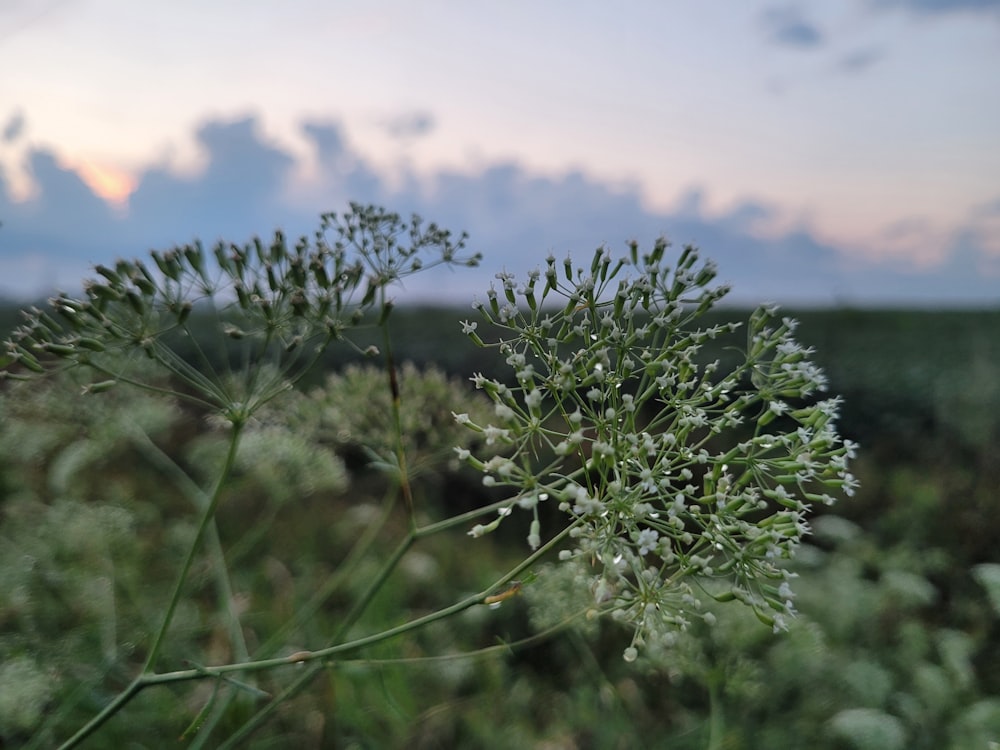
(840,158)
(822,152)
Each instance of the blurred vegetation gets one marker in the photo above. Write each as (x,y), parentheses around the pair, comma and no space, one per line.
(897,644)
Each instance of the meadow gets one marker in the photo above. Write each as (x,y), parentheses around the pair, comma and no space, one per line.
(896,643)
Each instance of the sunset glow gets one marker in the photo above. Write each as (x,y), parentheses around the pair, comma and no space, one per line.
(112,184)
(841,139)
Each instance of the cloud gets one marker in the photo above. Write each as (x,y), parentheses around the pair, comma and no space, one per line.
(786,26)
(51,240)
(342,174)
(860,60)
(410,125)
(943,7)
(515,216)
(14,128)
(990,209)
(65,215)
(982,230)
(242,176)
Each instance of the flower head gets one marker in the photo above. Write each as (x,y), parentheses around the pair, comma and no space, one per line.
(681,478)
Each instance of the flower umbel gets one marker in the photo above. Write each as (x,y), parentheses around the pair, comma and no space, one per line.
(274,303)
(683,477)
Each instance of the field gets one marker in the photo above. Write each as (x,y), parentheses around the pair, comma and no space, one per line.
(896,643)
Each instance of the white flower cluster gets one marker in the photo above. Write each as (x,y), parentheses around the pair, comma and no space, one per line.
(681,477)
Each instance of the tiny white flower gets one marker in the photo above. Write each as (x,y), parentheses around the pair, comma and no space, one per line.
(533,399)
(493,434)
(647,540)
(503,412)
(534,535)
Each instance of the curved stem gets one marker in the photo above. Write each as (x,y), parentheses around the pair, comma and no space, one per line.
(142,385)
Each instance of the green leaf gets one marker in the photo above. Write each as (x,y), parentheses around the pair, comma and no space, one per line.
(988,576)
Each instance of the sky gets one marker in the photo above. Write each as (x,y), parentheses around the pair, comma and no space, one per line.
(833,152)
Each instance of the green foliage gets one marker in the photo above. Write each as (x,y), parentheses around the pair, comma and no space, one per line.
(277,309)
(988,575)
(82,534)
(868,729)
(293,561)
(330,414)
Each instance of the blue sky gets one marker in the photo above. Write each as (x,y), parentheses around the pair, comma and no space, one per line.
(826,152)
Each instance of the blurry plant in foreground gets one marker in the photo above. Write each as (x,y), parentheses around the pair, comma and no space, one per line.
(673,479)
(275,308)
(333,415)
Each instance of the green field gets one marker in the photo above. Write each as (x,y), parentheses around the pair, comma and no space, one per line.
(896,644)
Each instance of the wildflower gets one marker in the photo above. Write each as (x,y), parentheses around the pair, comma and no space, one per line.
(647,540)
(655,509)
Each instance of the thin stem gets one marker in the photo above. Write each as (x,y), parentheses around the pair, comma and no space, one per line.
(219,568)
(463,518)
(373,588)
(151,388)
(334,582)
(397,422)
(106,713)
(716,719)
(329,651)
(199,349)
(208,514)
(172,362)
(314,669)
(321,657)
(146,678)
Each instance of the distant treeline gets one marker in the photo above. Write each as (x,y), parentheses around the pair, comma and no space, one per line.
(904,374)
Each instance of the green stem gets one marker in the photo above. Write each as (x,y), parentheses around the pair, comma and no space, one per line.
(207,517)
(716,719)
(315,668)
(373,588)
(220,570)
(375,585)
(397,422)
(106,713)
(142,385)
(332,584)
(321,657)
(146,678)
(344,571)
(463,518)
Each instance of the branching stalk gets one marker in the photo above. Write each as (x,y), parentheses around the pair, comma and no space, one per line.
(207,516)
